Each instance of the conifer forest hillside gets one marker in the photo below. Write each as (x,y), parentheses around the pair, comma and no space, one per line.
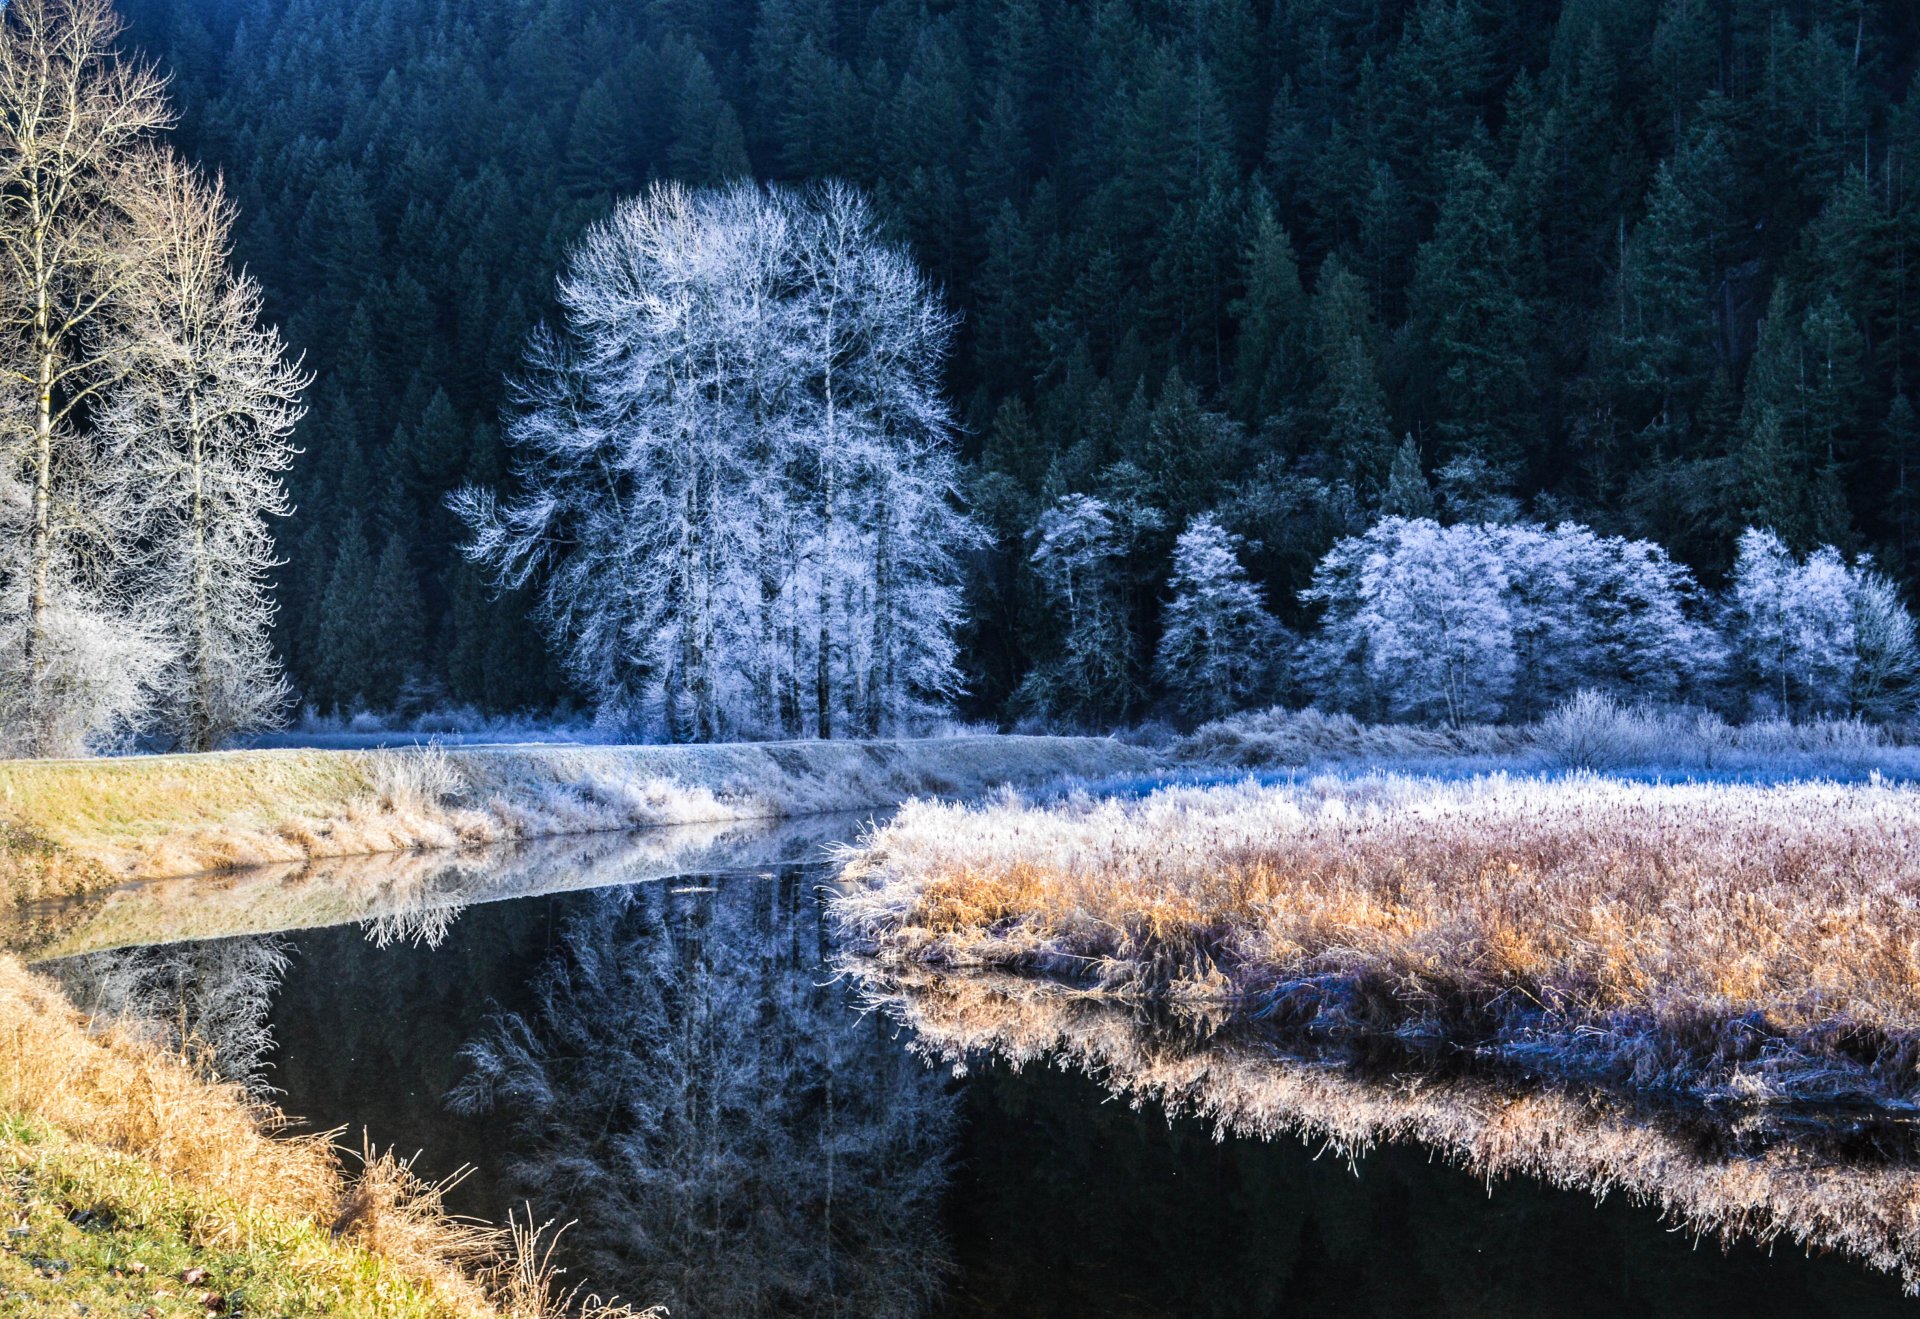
(1230,277)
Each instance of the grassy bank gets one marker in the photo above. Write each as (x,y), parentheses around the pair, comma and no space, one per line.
(73,826)
(1724,941)
(132,1184)
(407,896)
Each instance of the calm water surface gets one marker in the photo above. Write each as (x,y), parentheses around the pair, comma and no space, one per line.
(674,1066)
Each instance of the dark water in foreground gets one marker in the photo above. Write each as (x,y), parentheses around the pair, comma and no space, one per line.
(673,1065)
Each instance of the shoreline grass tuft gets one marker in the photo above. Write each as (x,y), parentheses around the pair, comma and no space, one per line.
(115,1152)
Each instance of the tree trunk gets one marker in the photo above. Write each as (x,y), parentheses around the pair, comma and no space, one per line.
(40,549)
(823,656)
(200,730)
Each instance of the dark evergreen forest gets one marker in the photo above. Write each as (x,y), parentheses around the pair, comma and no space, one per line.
(1650,264)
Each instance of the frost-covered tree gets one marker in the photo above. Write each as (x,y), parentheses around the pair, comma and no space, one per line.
(1792,625)
(1500,620)
(203,420)
(1886,655)
(1219,647)
(1599,613)
(74,647)
(1417,623)
(1080,550)
(737,490)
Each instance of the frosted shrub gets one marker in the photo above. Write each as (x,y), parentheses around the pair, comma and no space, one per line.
(417,779)
(1591,730)
(94,685)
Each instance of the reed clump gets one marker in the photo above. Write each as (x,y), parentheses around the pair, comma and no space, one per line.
(1737,942)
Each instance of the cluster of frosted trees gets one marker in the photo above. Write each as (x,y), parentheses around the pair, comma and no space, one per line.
(1487,621)
(736,483)
(145,414)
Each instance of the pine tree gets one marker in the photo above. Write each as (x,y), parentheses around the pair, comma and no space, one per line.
(391,649)
(1270,363)
(343,670)
(1408,494)
(1474,326)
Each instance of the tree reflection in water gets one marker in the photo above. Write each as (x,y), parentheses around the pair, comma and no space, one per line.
(730,1137)
(206,1001)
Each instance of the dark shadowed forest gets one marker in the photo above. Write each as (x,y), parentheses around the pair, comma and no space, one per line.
(1648,265)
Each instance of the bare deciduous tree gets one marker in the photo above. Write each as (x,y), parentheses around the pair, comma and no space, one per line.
(73,114)
(204,418)
(737,482)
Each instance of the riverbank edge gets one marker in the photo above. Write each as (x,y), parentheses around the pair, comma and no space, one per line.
(79,826)
(1512,920)
(129,1178)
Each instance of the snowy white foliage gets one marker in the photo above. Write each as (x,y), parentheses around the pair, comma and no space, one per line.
(1603,614)
(1886,657)
(1219,647)
(736,483)
(1418,622)
(98,660)
(144,416)
(204,421)
(1485,621)
(1817,635)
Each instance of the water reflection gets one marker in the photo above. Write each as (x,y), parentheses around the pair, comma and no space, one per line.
(1843,1184)
(674,1064)
(731,1137)
(206,1002)
(409,897)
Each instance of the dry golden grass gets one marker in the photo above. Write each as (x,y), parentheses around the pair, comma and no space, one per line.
(1770,1190)
(142,1127)
(1745,941)
(74,826)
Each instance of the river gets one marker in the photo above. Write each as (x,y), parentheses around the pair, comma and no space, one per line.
(652,1038)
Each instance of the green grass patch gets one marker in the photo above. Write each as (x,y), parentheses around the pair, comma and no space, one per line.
(81,1226)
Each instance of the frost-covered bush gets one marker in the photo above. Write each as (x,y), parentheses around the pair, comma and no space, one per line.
(1592,730)
(97,666)
(1886,658)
